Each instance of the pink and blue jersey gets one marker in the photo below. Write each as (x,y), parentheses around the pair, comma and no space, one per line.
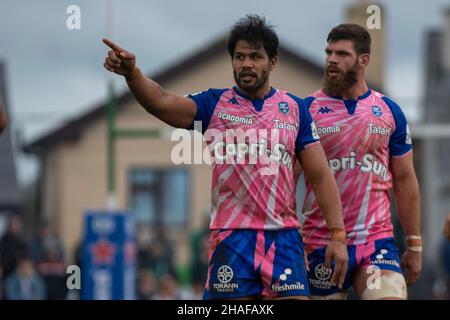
(359,138)
(253,145)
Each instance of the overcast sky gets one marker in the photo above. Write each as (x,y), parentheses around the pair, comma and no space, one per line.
(55,73)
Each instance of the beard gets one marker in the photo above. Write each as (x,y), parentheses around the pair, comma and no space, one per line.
(255,84)
(339,85)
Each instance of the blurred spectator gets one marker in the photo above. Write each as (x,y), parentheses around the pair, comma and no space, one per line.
(145,255)
(191,293)
(24,283)
(1,284)
(168,288)
(45,238)
(199,256)
(446,258)
(146,285)
(53,271)
(157,255)
(12,246)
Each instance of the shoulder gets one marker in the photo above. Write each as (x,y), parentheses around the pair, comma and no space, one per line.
(390,103)
(210,93)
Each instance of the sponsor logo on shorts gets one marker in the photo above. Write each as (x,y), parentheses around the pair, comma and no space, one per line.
(225,275)
(323,275)
(322,272)
(277,287)
(380,259)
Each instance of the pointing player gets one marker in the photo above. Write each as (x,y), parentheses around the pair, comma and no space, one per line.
(255,247)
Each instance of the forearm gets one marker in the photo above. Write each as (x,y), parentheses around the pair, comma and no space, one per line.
(147,92)
(176,111)
(407,200)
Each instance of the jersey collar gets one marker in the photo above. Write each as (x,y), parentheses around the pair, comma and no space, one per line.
(361,97)
(258,102)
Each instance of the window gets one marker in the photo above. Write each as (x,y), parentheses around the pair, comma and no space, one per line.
(160,196)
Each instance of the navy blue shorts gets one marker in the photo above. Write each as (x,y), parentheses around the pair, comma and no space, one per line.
(380,253)
(256,262)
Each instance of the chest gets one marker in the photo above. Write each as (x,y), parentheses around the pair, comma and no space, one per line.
(368,127)
(276,121)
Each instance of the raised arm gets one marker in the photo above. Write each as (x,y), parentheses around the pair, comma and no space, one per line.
(174,110)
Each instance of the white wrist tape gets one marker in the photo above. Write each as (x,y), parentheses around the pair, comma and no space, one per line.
(415,249)
(413,237)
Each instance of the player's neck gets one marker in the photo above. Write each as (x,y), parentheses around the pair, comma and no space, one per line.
(357,90)
(257,94)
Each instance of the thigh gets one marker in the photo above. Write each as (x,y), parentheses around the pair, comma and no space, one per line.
(280,260)
(231,273)
(379,284)
(379,275)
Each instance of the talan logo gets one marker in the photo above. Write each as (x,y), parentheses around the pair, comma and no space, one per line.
(225,274)
(376,110)
(283,107)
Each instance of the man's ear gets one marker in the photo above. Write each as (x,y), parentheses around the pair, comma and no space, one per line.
(273,62)
(364,59)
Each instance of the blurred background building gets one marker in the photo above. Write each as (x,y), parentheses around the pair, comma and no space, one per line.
(171,203)
(73,158)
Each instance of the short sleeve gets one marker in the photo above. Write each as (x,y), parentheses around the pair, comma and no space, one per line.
(400,141)
(206,102)
(307,133)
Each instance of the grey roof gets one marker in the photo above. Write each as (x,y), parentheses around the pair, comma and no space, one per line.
(10,198)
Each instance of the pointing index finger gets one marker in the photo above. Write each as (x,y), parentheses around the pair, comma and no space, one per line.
(112,45)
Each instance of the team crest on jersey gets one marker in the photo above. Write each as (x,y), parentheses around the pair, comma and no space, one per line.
(283,107)
(376,110)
